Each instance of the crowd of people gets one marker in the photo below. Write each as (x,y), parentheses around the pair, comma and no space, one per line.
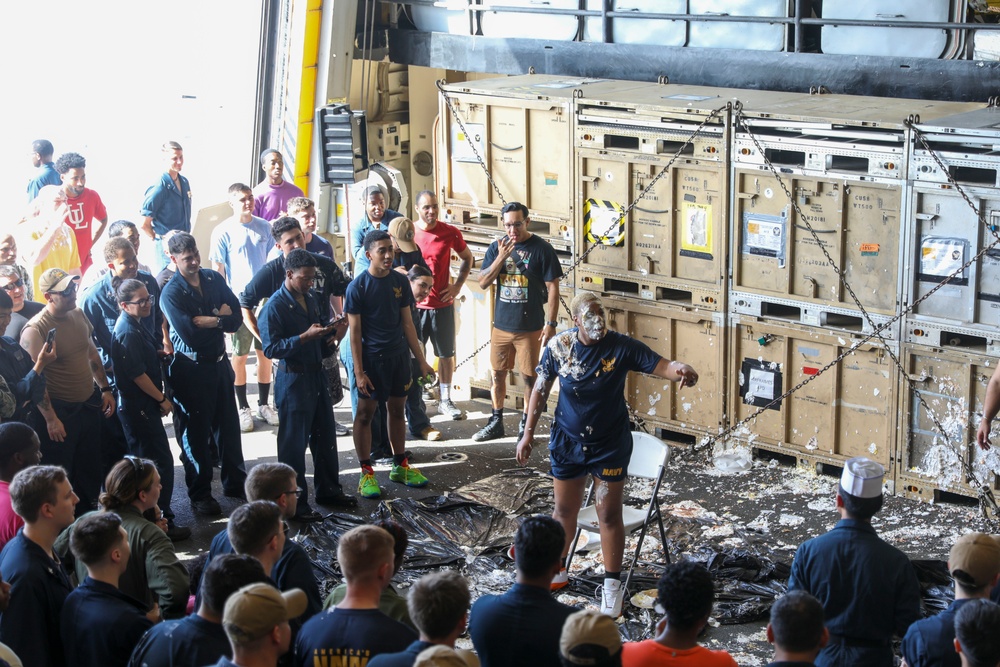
(90,573)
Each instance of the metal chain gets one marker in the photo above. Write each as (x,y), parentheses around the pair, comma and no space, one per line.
(472,144)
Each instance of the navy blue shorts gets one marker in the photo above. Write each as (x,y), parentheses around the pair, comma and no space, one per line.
(606,460)
(391,375)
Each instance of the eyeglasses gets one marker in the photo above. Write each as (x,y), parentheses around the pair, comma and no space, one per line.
(293,492)
(66,292)
(150,300)
(13,286)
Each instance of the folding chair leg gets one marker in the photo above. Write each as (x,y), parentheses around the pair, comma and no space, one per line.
(653,503)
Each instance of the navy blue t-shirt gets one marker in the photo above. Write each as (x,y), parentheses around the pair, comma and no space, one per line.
(358,633)
(379,302)
(190,641)
(591,405)
(521,292)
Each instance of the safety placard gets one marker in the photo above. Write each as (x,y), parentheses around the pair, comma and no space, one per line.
(764,235)
(696,230)
(604,222)
(941,258)
(462,142)
(760,383)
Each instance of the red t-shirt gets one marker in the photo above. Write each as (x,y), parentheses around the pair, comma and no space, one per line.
(436,246)
(80,215)
(10,523)
(651,653)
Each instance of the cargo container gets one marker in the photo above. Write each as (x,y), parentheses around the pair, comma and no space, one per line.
(953,384)
(522,127)
(848,410)
(945,233)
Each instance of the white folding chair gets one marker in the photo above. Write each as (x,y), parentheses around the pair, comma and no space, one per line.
(649,460)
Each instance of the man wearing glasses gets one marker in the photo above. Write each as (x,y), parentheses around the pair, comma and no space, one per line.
(23,309)
(70,424)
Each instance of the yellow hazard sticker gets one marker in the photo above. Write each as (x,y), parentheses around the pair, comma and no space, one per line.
(696,233)
(604,222)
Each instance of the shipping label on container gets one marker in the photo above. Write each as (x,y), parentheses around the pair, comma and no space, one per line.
(696,233)
(462,142)
(760,383)
(764,235)
(942,257)
(604,222)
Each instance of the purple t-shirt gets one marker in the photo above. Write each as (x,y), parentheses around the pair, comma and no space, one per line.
(270,200)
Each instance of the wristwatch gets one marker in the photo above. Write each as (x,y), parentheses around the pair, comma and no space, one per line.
(105,390)
(552,324)
(218,322)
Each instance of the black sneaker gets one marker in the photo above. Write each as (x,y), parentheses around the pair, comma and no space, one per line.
(492,430)
(206,507)
(177,533)
(337,500)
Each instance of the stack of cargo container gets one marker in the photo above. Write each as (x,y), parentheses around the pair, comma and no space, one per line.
(716,265)
(522,128)
(952,337)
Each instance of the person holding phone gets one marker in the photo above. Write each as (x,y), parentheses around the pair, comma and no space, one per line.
(79,395)
(293,334)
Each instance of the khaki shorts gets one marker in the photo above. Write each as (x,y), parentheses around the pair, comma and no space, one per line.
(243,341)
(504,345)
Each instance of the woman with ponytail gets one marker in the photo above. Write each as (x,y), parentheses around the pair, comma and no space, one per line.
(135,356)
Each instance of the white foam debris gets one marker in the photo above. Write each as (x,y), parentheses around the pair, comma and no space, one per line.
(654,398)
(790,520)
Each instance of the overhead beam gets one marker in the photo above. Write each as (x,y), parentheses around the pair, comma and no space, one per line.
(919,78)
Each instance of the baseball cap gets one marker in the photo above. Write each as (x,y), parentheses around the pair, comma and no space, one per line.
(975,559)
(55,280)
(254,610)
(440,655)
(401,229)
(589,638)
(862,477)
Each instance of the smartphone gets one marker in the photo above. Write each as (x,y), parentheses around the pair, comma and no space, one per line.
(49,339)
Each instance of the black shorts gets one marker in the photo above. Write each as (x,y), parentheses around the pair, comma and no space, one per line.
(438,325)
(571,458)
(391,374)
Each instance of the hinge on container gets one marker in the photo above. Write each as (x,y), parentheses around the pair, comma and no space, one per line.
(993,101)
(663,79)
(531,70)
(819,90)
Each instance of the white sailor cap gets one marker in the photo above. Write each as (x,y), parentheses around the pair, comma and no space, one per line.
(862,477)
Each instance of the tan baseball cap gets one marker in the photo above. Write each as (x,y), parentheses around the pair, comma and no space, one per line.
(402,230)
(55,280)
(254,610)
(440,655)
(589,637)
(975,559)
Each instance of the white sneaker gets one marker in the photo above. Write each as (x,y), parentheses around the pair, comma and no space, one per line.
(246,420)
(341,429)
(449,409)
(611,600)
(268,414)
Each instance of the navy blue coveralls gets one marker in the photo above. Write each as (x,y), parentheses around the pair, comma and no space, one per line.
(202,382)
(101,625)
(38,590)
(301,393)
(868,590)
(100,305)
(134,351)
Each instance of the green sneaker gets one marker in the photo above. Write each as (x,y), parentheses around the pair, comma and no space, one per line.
(368,486)
(408,475)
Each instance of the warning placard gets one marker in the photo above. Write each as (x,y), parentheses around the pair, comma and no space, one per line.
(696,231)
(604,222)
